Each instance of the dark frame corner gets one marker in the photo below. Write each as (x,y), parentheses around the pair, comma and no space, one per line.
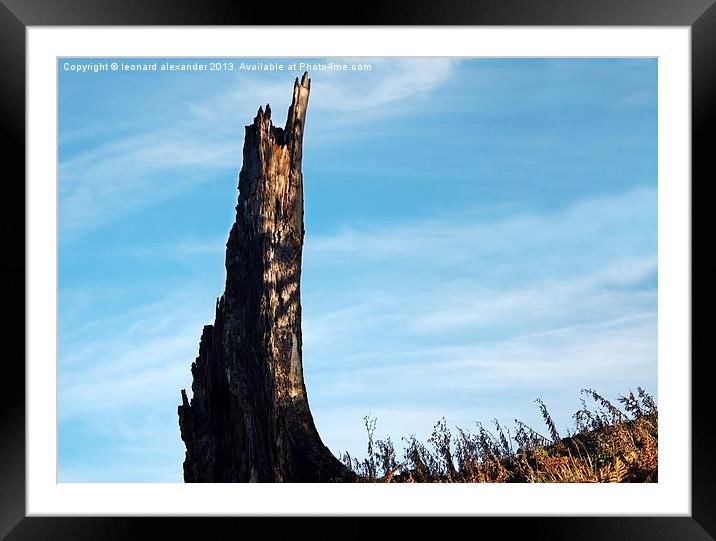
(16,15)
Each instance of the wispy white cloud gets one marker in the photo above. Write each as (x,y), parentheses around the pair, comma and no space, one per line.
(115,177)
(583,264)
(119,379)
(601,353)
(397,81)
(101,184)
(465,236)
(181,250)
(545,302)
(136,360)
(390,82)
(526,305)
(483,380)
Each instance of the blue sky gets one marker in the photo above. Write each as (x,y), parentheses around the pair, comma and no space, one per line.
(479,233)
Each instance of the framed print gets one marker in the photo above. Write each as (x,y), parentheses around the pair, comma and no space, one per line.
(423,220)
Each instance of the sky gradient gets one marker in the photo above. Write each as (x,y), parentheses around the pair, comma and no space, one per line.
(479,233)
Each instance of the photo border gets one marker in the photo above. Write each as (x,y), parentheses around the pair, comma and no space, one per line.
(699,15)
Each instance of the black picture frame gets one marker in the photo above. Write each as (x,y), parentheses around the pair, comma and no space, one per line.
(16,15)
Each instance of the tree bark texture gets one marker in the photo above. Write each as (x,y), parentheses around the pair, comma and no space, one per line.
(249,419)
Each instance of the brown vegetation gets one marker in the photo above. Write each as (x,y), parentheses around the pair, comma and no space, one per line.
(609,446)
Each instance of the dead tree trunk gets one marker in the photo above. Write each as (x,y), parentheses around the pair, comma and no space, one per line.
(249,420)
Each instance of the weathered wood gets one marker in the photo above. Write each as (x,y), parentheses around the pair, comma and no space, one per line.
(249,419)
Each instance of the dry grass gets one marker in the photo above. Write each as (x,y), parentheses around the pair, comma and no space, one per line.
(608,446)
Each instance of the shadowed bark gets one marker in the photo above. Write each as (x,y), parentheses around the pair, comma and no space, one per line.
(248,419)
